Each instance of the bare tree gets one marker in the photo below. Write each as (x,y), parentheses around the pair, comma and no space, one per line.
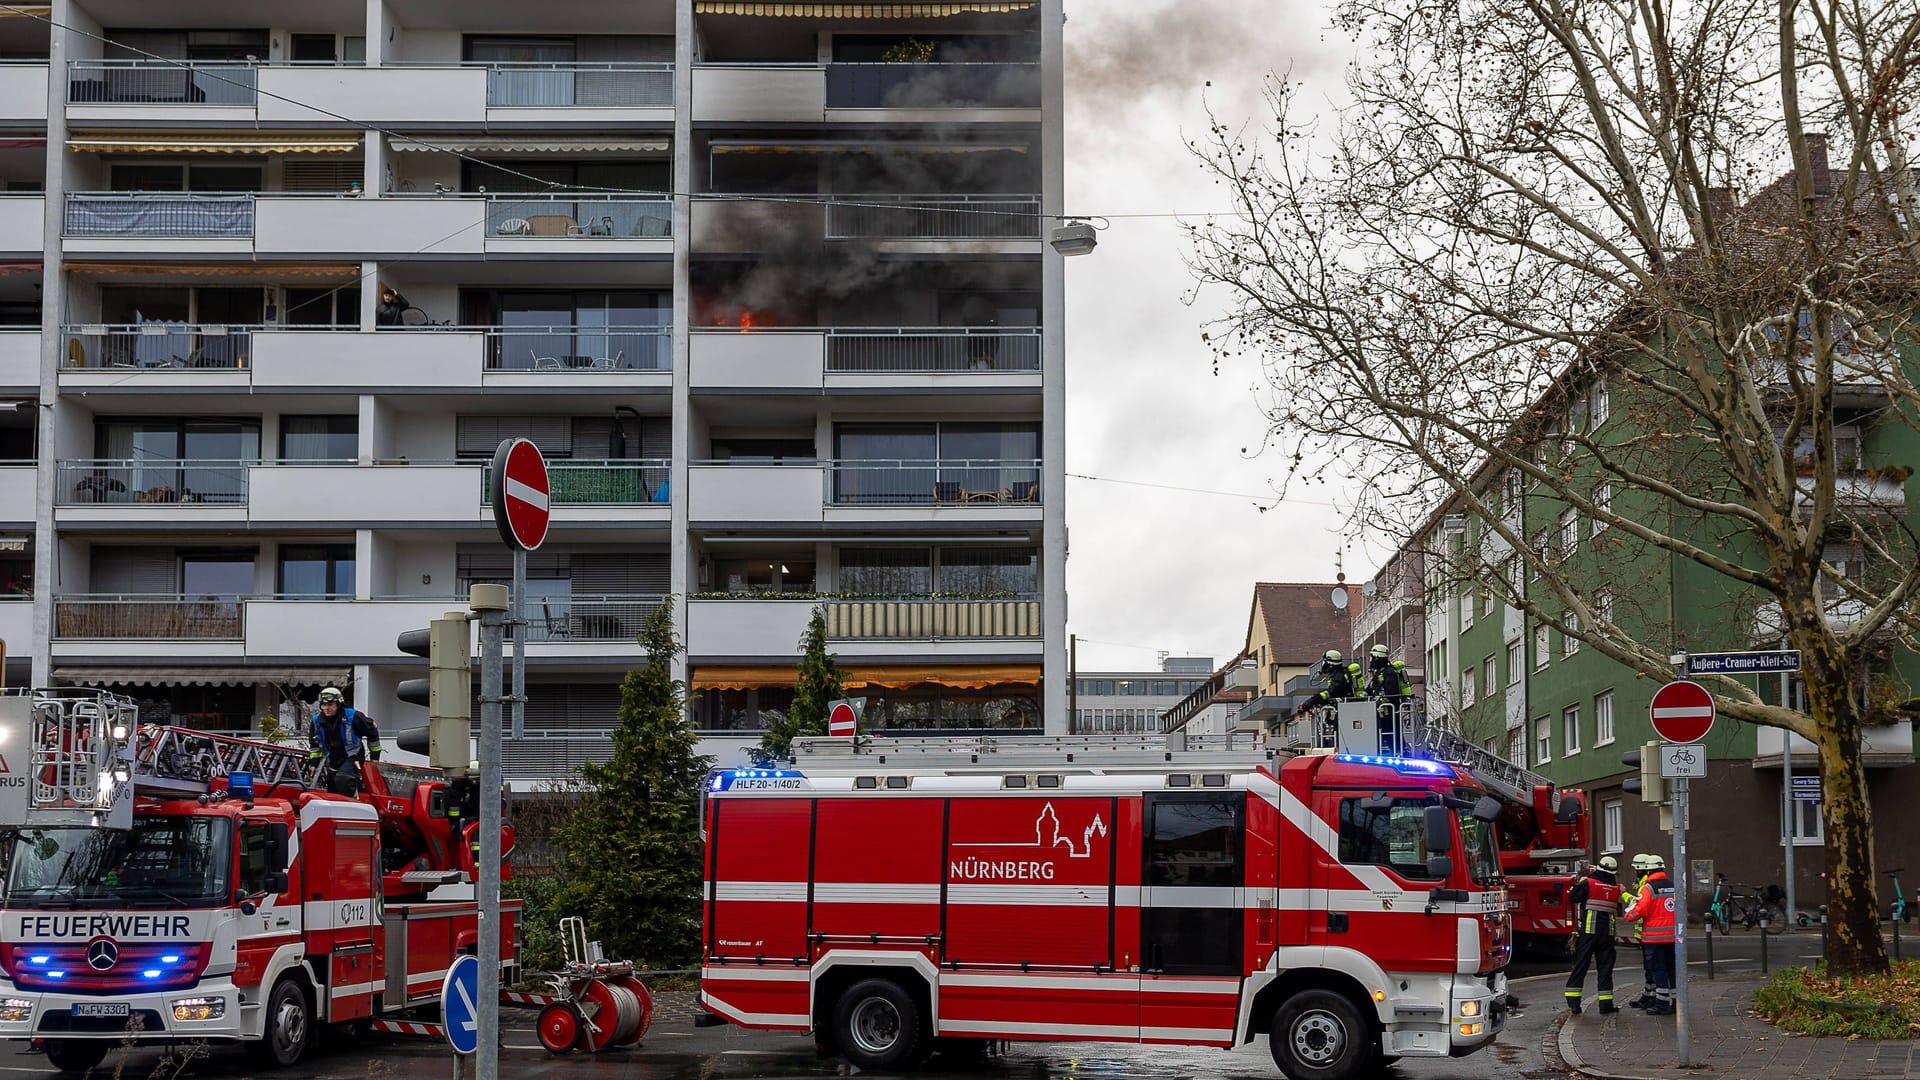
(1693,221)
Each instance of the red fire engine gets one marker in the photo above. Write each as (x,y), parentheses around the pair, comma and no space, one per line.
(166,884)
(887,893)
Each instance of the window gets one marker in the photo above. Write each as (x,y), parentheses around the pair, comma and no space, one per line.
(1393,836)
(771,575)
(1569,533)
(1542,638)
(1602,504)
(562,329)
(1491,673)
(1612,836)
(1603,604)
(1543,740)
(320,438)
(1808,829)
(1517,744)
(1510,493)
(1601,405)
(1486,600)
(317,570)
(1540,555)
(1516,661)
(974,572)
(210,573)
(1466,609)
(1568,643)
(1469,687)
(1569,731)
(1603,718)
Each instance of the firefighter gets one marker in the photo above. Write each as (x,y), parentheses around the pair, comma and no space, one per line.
(1630,929)
(343,736)
(1388,684)
(1343,682)
(1595,901)
(1653,905)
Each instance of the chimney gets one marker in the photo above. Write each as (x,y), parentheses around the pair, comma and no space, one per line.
(1720,203)
(1816,145)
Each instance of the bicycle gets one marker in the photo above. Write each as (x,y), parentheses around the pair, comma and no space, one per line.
(1716,909)
(1761,904)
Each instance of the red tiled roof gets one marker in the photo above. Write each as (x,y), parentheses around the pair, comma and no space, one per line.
(1301,620)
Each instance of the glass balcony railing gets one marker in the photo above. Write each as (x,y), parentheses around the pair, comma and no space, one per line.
(586,217)
(176,346)
(576,84)
(879,85)
(945,482)
(150,481)
(624,482)
(577,348)
(162,82)
(580,617)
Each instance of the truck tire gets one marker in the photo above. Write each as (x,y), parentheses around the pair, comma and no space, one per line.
(878,1025)
(1320,1035)
(75,1056)
(288,1027)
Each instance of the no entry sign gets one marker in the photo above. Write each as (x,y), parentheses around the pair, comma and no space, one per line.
(1682,711)
(843,716)
(521,494)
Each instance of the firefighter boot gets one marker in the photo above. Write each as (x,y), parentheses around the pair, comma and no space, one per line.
(1606,1005)
(1573,1002)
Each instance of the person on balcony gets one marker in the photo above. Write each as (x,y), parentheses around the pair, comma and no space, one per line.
(392,307)
(344,737)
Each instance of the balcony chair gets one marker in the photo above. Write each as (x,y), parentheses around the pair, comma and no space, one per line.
(558,626)
(945,491)
(513,226)
(609,363)
(546,363)
(550,225)
(1024,491)
(653,227)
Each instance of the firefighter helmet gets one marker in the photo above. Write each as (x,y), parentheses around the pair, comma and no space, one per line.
(1331,656)
(1380,652)
(1655,862)
(1609,863)
(1643,862)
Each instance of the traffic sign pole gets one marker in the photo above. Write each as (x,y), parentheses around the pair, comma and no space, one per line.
(492,625)
(1682,1032)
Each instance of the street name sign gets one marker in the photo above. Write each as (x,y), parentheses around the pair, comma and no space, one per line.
(1682,711)
(1743,663)
(1806,788)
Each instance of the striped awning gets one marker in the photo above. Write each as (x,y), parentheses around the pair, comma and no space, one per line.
(146,142)
(862,11)
(958,676)
(203,676)
(533,144)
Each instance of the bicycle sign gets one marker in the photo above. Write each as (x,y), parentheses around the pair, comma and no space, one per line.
(1678,760)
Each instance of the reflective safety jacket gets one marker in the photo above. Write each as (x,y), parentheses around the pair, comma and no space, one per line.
(1595,900)
(1653,905)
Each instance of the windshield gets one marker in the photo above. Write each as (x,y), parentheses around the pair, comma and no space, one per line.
(161,861)
(1483,855)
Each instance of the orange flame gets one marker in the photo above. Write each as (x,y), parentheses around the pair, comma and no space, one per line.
(746,320)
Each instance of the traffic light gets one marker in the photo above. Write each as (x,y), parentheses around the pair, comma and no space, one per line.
(1649,785)
(446,692)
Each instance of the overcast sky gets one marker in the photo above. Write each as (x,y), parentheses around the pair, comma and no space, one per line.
(1150,568)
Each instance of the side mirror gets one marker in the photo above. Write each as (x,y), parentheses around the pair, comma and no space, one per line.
(437,802)
(1439,823)
(1488,809)
(277,853)
(1439,867)
(277,882)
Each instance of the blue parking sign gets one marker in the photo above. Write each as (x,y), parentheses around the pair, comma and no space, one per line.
(459,1008)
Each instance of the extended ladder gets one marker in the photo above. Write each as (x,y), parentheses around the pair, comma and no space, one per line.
(1068,753)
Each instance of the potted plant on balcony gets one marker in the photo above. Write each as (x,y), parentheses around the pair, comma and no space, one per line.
(911,50)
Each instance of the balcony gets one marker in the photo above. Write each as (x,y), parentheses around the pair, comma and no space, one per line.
(985,223)
(282,224)
(932,619)
(202,485)
(19,357)
(16,622)
(905,357)
(1855,492)
(536,756)
(722,492)
(124,617)
(945,482)
(862,626)
(629,482)
(159,346)
(866,92)
(136,90)
(23,91)
(23,225)
(287,626)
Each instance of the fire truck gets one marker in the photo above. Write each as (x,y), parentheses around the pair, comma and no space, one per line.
(164,884)
(1543,831)
(894,894)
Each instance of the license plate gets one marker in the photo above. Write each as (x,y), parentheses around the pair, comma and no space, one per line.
(101,1008)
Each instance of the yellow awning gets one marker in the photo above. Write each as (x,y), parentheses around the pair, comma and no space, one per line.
(250,273)
(958,676)
(203,676)
(862,11)
(142,142)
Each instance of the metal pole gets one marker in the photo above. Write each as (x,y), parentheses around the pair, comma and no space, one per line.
(518,614)
(492,626)
(1073,684)
(1682,1034)
(1786,794)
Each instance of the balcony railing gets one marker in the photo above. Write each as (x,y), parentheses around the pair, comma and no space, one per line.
(855,216)
(608,617)
(949,481)
(580,85)
(880,85)
(180,215)
(625,482)
(551,755)
(164,345)
(153,481)
(587,217)
(931,619)
(119,616)
(929,350)
(162,82)
(576,348)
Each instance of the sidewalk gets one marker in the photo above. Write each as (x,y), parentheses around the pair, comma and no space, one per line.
(1726,1041)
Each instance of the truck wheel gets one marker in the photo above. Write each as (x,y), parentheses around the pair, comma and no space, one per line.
(1319,1035)
(289,1025)
(75,1056)
(559,1027)
(878,1025)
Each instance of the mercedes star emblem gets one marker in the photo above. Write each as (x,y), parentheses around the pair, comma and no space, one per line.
(102,954)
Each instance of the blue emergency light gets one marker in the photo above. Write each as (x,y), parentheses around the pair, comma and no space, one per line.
(240,785)
(1403,766)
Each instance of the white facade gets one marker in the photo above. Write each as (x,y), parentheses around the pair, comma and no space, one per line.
(788,331)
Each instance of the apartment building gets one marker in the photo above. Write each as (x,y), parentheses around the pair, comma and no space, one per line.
(767,282)
(1131,702)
